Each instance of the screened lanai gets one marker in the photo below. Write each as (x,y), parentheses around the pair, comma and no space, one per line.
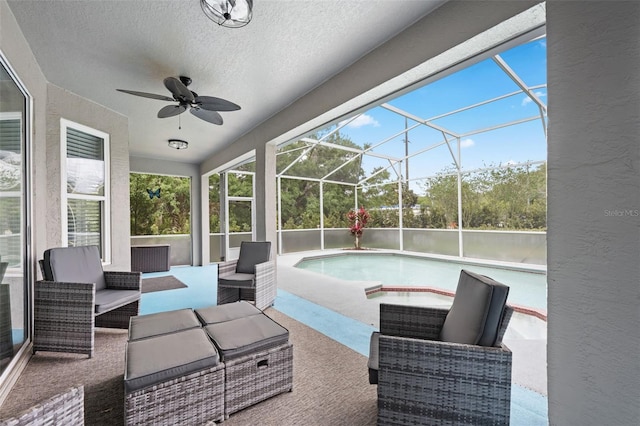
(454,164)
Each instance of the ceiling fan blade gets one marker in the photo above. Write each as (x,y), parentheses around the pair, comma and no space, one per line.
(171,110)
(178,90)
(206,115)
(147,95)
(215,104)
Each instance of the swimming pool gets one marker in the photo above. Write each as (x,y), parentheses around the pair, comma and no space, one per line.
(389,269)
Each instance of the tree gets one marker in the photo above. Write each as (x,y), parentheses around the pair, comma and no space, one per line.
(300,198)
(495,198)
(441,200)
(160,205)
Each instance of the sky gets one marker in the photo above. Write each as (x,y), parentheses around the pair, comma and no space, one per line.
(477,83)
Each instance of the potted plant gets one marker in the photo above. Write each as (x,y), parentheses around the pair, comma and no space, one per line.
(357,221)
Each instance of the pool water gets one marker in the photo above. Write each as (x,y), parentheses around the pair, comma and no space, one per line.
(525,288)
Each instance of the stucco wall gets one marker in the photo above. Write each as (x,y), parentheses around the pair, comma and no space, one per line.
(64,104)
(50,103)
(593,239)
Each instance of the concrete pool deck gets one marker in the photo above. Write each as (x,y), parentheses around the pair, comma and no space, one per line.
(526,335)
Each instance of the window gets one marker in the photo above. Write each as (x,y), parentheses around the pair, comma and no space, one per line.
(85,174)
(11,188)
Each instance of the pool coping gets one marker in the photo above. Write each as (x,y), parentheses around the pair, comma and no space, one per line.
(538,313)
(318,254)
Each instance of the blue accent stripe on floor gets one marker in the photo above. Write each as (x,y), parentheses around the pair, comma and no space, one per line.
(351,333)
(201,290)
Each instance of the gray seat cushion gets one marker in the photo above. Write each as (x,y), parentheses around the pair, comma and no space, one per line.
(246,335)
(252,253)
(109,299)
(74,265)
(374,356)
(161,358)
(151,325)
(237,280)
(476,313)
(226,312)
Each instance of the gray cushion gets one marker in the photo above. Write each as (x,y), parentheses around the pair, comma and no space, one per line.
(108,299)
(226,312)
(246,335)
(150,325)
(74,265)
(478,306)
(162,358)
(237,280)
(252,253)
(374,354)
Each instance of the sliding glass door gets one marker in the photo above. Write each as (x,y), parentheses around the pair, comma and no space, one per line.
(14,306)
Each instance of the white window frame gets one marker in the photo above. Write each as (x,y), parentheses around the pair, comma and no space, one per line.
(105,199)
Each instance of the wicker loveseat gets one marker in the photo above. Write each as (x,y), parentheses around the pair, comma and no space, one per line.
(76,296)
(66,408)
(445,366)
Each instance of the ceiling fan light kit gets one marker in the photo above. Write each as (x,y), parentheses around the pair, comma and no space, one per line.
(228,13)
(178,144)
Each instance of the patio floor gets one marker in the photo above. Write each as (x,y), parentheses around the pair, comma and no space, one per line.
(340,310)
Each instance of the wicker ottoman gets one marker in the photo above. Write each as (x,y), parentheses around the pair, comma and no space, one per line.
(143,326)
(174,377)
(256,351)
(227,312)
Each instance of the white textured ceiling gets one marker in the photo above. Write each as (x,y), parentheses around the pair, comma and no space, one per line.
(92,47)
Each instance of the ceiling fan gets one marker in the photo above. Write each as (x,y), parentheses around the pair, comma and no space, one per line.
(203,107)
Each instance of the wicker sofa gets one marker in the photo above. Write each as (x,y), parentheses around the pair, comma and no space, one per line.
(66,408)
(76,296)
(445,366)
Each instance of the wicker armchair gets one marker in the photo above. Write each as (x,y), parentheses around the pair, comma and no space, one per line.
(76,296)
(423,380)
(251,277)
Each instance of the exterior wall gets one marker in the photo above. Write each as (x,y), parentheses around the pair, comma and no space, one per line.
(64,104)
(593,240)
(175,168)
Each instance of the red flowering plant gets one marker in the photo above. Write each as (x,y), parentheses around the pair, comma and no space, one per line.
(357,221)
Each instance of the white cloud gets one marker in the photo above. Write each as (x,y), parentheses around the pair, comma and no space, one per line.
(467,143)
(363,120)
(528,100)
